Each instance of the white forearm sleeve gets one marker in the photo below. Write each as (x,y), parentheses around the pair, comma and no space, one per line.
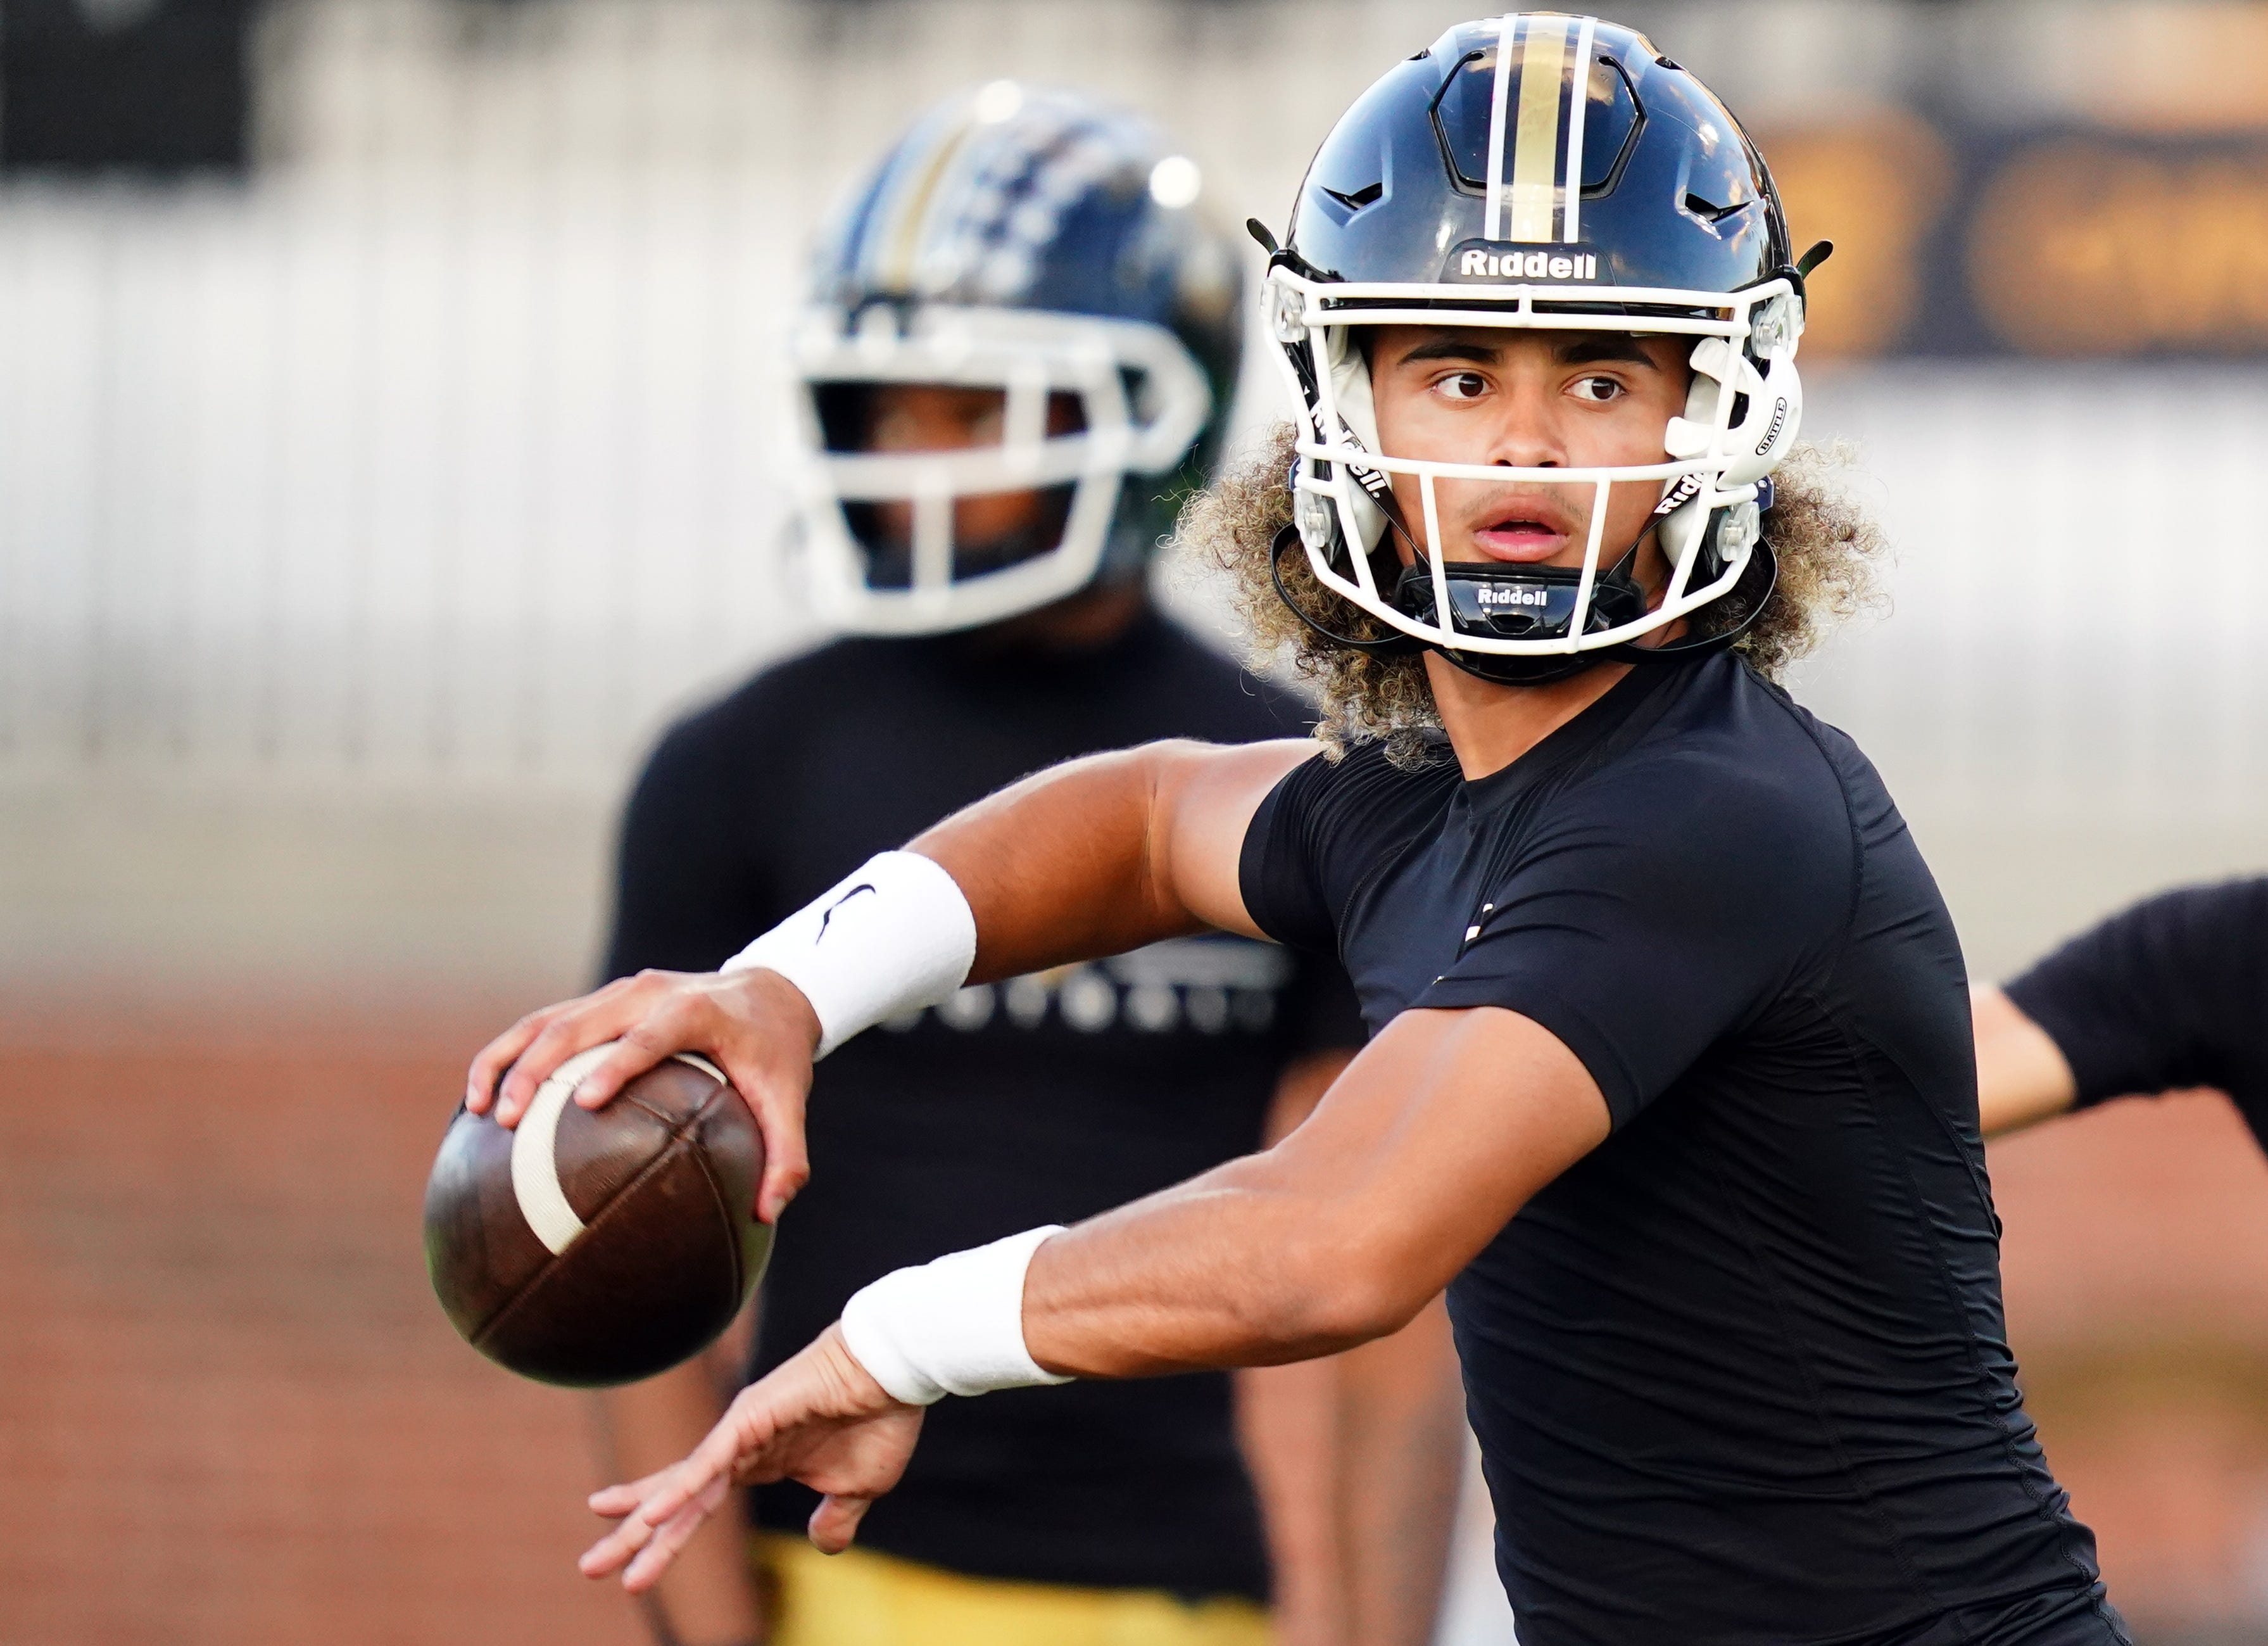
(953,1326)
(894,937)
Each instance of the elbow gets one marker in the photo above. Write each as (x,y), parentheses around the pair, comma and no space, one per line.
(1338,1293)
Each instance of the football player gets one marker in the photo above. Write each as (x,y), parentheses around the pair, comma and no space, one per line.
(1669,1080)
(2166,996)
(1021,341)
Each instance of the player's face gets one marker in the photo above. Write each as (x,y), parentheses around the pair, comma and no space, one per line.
(942,417)
(1527,399)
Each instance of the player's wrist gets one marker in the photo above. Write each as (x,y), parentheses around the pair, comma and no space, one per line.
(893,937)
(856,1389)
(952,1327)
(775,994)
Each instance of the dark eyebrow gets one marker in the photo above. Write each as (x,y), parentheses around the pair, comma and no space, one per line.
(1450,346)
(1592,348)
(1603,347)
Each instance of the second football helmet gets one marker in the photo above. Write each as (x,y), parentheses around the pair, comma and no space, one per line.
(1046,252)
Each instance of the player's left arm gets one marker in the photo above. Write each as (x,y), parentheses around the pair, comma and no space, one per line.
(1435,1136)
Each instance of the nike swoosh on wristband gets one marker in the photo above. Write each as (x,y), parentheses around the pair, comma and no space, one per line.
(828,913)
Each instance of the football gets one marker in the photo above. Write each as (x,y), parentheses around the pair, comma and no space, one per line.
(591,1247)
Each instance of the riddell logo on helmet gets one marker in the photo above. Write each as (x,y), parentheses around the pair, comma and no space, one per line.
(1473,263)
(1497,595)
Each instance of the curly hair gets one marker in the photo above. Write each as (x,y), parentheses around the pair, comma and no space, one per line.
(1828,548)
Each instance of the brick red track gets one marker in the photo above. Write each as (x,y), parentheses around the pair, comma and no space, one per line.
(230,1410)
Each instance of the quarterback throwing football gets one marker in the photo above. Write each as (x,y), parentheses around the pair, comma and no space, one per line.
(1669,1080)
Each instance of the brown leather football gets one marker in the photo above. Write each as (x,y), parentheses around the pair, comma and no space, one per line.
(593,1247)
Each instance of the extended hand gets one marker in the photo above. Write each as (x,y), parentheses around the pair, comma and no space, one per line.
(756,1024)
(818,1418)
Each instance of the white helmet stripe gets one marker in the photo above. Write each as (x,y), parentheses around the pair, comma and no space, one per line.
(1578,96)
(1508,29)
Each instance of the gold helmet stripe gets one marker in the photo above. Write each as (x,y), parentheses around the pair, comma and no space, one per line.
(1535,138)
(913,204)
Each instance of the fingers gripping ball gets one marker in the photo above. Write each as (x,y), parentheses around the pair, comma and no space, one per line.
(593,1247)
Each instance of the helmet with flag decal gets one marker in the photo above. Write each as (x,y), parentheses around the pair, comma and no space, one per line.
(1548,172)
(1045,255)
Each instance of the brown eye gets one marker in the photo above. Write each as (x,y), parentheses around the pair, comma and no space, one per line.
(1598,390)
(1463,385)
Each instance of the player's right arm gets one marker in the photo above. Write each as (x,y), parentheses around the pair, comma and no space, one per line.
(1086,859)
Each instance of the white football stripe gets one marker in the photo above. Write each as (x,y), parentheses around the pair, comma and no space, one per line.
(534,1147)
(704,1066)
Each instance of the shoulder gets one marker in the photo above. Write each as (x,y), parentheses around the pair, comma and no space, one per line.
(1363,790)
(2200,935)
(1324,824)
(1337,818)
(2233,912)
(1735,785)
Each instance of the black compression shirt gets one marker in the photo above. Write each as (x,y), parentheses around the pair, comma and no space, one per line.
(2171,994)
(1740,1376)
(1045,1100)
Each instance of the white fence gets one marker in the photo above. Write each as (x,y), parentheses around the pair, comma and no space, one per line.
(443,452)
(445,487)
(2080,621)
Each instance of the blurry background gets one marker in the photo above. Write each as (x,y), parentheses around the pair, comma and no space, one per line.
(388,412)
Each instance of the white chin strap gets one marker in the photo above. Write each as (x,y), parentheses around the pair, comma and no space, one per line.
(1757,441)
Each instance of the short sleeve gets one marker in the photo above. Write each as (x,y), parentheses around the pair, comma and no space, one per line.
(1646,918)
(1278,871)
(2167,994)
(688,896)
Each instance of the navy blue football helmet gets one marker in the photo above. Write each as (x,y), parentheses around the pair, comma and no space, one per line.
(1546,171)
(1046,249)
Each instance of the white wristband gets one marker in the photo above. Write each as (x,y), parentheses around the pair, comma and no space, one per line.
(953,1326)
(894,937)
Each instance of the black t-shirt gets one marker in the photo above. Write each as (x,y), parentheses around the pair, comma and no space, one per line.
(1044,1100)
(1740,1376)
(2171,994)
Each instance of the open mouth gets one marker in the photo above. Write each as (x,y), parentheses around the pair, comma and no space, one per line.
(1521,536)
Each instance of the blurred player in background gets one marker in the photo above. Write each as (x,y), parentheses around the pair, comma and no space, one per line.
(1670,1079)
(1020,351)
(2168,995)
